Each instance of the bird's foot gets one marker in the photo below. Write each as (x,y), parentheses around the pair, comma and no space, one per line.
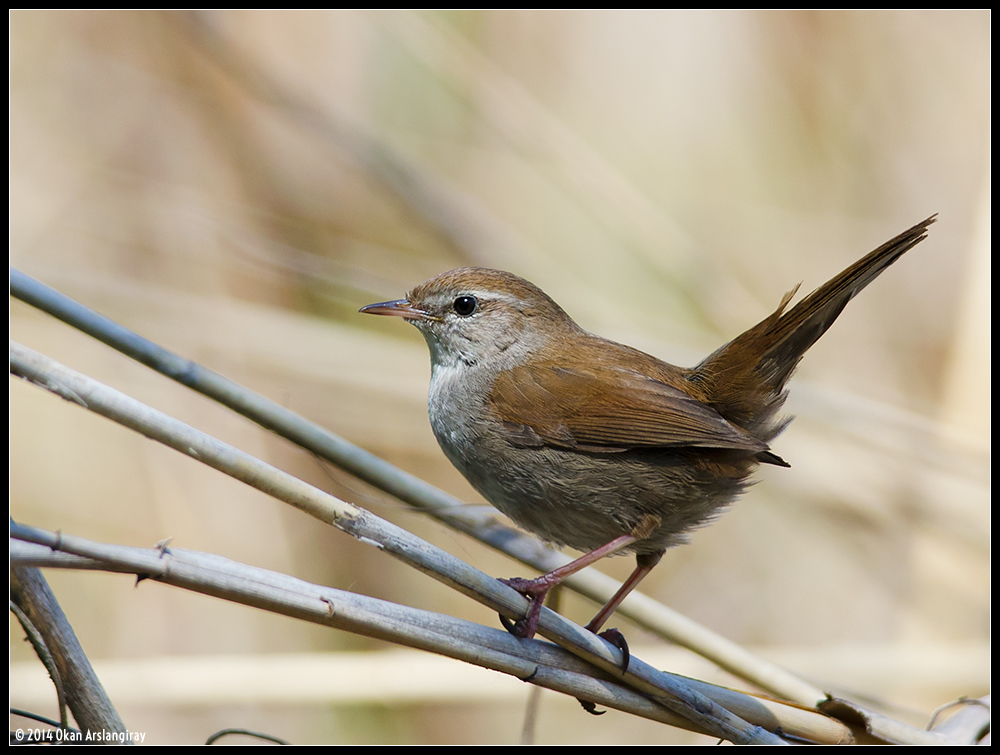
(617,639)
(535,591)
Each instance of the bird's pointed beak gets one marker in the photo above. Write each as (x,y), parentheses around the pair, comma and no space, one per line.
(398,308)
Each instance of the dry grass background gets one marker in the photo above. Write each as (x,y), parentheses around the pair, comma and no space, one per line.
(235,184)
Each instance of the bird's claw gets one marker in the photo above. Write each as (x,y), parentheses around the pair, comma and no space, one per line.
(617,639)
(517,628)
(590,707)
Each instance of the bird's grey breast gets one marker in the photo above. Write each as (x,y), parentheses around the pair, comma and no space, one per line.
(457,405)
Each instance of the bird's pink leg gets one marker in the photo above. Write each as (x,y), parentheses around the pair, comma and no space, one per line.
(536,589)
(644,565)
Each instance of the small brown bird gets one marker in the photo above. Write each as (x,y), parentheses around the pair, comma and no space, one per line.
(595,445)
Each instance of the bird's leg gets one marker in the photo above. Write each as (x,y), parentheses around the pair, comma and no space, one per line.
(644,565)
(536,589)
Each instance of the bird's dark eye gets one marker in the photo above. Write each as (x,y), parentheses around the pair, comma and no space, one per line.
(465,305)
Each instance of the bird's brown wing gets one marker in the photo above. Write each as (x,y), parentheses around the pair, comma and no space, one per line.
(607,410)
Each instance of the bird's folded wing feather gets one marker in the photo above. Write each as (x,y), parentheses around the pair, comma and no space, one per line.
(607,409)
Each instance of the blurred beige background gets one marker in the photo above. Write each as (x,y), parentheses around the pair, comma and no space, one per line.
(235,184)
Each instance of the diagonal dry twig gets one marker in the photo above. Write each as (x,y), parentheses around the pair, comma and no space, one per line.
(539,662)
(85,696)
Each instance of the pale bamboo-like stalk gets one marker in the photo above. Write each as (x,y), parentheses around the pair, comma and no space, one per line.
(543,664)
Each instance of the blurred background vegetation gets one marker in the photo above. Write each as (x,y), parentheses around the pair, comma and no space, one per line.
(235,184)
